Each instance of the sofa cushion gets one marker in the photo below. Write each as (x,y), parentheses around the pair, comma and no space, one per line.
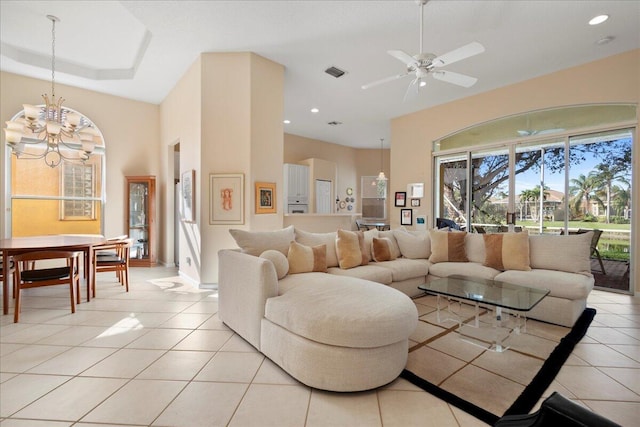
(314,239)
(568,253)
(447,246)
(304,259)
(560,283)
(395,249)
(372,272)
(473,269)
(474,247)
(381,249)
(507,251)
(291,281)
(279,261)
(376,315)
(405,268)
(350,249)
(256,242)
(413,244)
(369,235)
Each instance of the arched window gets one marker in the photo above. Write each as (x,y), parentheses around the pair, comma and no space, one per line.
(64,199)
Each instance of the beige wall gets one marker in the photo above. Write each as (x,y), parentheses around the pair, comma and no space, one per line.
(612,80)
(131,131)
(181,120)
(242,113)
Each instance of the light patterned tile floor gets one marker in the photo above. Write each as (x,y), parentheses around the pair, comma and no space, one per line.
(159,356)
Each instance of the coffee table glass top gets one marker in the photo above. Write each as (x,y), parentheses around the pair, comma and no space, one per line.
(492,292)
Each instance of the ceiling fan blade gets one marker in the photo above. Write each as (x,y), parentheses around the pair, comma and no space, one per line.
(455,78)
(412,89)
(459,54)
(404,57)
(385,80)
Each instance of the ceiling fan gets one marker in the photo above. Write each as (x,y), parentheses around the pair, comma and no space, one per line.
(423,64)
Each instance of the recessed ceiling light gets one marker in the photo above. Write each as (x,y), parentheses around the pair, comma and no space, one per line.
(598,19)
(423,84)
(314,110)
(286,122)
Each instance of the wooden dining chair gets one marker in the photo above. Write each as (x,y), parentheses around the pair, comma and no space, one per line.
(12,271)
(112,256)
(28,276)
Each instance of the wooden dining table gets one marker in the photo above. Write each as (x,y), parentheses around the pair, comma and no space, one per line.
(18,245)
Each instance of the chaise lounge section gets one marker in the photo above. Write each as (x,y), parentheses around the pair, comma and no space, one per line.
(334,309)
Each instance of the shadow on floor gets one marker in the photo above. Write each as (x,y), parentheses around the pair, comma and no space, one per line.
(616,277)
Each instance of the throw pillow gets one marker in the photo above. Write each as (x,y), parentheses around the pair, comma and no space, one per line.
(279,261)
(256,242)
(563,253)
(303,259)
(315,239)
(413,244)
(507,251)
(349,245)
(395,249)
(368,242)
(382,249)
(447,247)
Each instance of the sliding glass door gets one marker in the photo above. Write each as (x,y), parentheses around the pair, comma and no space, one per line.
(452,184)
(540,186)
(555,186)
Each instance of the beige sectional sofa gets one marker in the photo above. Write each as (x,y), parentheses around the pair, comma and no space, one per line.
(338,329)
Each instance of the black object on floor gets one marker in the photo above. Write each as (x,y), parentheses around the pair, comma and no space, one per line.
(533,392)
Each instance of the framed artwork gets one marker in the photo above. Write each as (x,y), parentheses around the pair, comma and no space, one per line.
(401,199)
(416,190)
(226,198)
(187,186)
(415,203)
(406,216)
(266,197)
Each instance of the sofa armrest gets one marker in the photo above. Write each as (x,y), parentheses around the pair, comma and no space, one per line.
(245,282)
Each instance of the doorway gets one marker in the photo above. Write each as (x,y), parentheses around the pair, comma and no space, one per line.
(323,196)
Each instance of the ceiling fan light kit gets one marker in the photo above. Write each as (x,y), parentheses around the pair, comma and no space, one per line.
(422,64)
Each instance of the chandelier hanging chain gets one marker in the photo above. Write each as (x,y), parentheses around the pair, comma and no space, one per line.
(42,130)
(53,56)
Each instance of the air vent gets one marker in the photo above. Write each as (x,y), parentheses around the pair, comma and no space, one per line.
(334,123)
(335,72)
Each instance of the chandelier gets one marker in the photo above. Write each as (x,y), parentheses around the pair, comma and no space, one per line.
(49,131)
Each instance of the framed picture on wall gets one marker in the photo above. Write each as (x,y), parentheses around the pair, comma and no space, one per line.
(226,198)
(265,197)
(401,199)
(187,186)
(406,216)
(415,203)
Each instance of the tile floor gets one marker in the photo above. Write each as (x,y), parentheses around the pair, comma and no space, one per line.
(159,356)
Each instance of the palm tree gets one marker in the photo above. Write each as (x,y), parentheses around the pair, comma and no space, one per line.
(582,189)
(603,177)
(533,195)
(621,198)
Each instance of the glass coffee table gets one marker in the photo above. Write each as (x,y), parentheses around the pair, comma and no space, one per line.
(497,295)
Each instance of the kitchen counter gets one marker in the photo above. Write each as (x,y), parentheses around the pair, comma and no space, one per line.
(322,223)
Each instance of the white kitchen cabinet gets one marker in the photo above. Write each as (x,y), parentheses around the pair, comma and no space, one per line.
(296,183)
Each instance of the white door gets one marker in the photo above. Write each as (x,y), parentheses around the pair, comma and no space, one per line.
(323,196)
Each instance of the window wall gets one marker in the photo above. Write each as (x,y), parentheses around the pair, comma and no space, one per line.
(547,184)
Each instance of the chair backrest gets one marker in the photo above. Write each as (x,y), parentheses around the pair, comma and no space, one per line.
(445,222)
(595,238)
(361,226)
(25,264)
